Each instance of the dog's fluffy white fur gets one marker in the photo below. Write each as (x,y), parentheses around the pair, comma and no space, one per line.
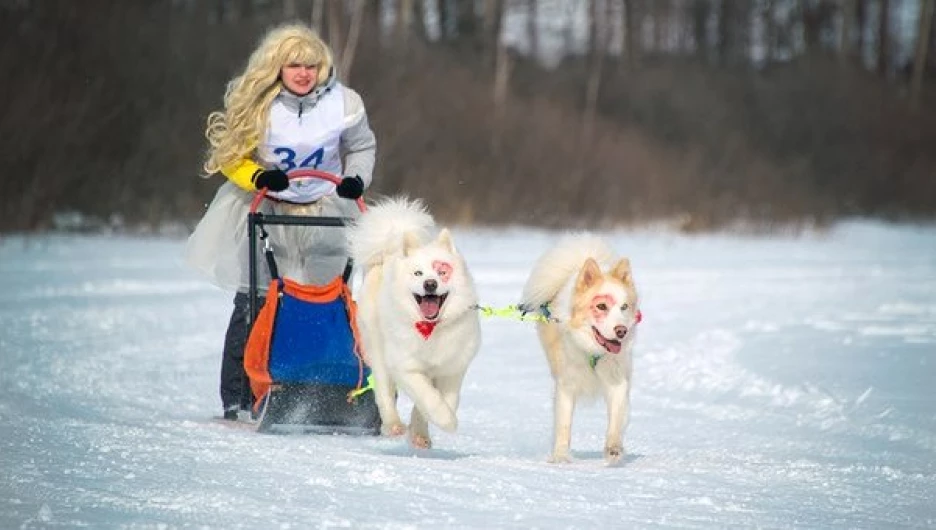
(589,295)
(416,313)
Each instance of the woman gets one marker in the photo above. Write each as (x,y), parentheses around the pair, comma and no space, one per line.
(285,111)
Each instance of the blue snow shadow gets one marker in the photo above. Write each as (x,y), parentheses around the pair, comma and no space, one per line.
(405,450)
(598,457)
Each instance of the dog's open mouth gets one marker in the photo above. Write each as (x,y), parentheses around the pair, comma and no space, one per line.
(611,345)
(430,305)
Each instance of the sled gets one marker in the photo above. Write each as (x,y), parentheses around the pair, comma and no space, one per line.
(303,361)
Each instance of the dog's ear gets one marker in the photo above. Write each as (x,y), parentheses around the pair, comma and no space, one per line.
(622,271)
(589,275)
(410,243)
(445,240)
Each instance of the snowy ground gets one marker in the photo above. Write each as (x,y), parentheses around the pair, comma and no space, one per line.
(779,383)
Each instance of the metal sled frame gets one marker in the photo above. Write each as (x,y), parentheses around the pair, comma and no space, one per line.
(309,408)
(256,218)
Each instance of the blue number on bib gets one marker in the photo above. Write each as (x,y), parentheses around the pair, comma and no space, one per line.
(288,160)
(315,159)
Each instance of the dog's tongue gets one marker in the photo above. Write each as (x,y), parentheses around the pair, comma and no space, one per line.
(429,307)
(612,346)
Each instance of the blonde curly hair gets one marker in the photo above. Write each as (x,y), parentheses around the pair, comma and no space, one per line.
(235,132)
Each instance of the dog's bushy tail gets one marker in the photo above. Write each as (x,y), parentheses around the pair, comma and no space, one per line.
(556,266)
(380,232)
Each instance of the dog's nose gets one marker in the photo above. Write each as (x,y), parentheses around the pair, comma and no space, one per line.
(430,286)
(620,331)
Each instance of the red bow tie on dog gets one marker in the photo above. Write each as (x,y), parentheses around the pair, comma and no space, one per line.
(425,327)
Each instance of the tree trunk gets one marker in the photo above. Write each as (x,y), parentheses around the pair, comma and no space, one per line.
(445,15)
(333,15)
(466,23)
(593,82)
(592,26)
(502,67)
(919,62)
(848,29)
(661,14)
(533,28)
(770,32)
(726,41)
(490,29)
(861,25)
(350,46)
(373,19)
(289,9)
(810,18)
(631,39)
(503,64)
(932,41)
(883,43)
(700,15)
(404,18)
(318,16)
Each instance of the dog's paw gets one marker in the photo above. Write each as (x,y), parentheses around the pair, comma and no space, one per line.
(559,458)
(393,429)
(446,420)
(613,453)
(420,441)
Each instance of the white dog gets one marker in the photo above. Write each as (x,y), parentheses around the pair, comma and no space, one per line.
(417,314)
(589,302)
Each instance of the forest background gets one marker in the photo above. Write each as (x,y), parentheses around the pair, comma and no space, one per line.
(704,114)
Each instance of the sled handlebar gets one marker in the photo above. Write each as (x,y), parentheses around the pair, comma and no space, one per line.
(302,174)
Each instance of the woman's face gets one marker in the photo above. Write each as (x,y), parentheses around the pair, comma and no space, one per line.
(298,78)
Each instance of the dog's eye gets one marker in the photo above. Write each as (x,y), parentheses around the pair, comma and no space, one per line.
(417,273)
(602,306)
(624,307)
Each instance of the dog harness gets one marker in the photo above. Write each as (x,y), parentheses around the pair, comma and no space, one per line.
(524,313)
(540,314)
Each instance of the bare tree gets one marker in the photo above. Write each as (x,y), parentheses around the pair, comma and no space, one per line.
(592,26)
(770,30)
(599,27)
(318,15)
(883,41)
(811,19)
(466,24)
(861,25)
(660,12)
(733,22)
(817,18)
(846,35)
(725,30)
(333,15)
(489,37)
(919,62)
(350,45)
(533,27)
(701,10)
(502,69)
(631,31)
(445,16)
(404,19)
(289,9)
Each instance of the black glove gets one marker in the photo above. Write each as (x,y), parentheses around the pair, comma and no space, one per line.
(271,179)
(350,188)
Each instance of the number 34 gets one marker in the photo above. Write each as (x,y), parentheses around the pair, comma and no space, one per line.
(287,161)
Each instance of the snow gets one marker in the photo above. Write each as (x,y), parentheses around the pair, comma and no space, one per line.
(779,382)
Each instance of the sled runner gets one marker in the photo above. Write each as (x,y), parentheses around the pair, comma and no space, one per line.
(305,369)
